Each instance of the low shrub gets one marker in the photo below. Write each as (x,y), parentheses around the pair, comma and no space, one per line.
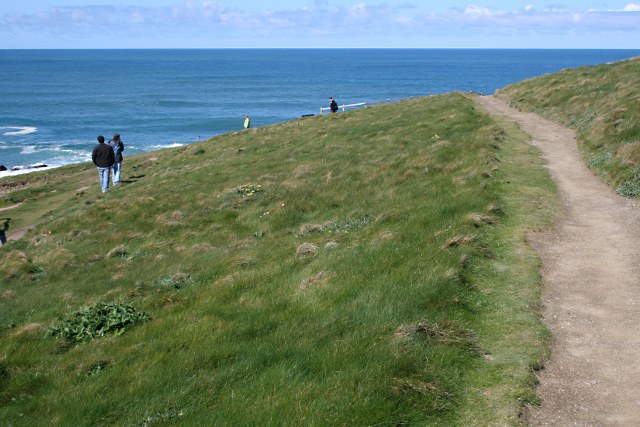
(630,187)
(92,322)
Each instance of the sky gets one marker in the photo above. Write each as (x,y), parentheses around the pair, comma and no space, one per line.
(97,24)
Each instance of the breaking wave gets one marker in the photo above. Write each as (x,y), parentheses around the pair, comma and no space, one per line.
(19,130)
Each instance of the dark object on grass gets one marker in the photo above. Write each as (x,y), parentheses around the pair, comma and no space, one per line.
(3,230)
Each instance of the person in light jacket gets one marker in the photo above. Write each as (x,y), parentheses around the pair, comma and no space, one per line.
(118,147)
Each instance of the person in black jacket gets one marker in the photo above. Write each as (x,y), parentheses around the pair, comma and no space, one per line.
(333,105)
(103,157)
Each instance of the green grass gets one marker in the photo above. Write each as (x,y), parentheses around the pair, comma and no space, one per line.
(602,103)
(360,268)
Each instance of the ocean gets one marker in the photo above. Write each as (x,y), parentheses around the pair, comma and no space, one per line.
(54,103)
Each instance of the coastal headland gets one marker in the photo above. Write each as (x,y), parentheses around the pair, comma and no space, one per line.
(367,267)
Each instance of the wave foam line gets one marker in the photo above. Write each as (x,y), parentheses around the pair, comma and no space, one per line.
(20,130)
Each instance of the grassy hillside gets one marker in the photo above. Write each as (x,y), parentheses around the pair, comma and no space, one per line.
(361,268)
(602,104)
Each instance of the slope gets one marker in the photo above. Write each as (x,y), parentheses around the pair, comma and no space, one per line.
(360,268)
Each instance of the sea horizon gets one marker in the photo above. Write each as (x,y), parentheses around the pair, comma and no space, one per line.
(318,48)
(60,100)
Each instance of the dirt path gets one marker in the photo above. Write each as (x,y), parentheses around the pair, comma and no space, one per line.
(592,290)
(10,207)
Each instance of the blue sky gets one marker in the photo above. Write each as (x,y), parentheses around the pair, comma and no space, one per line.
(318,23)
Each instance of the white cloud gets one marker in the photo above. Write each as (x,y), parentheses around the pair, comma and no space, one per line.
(213,24)
(477,11)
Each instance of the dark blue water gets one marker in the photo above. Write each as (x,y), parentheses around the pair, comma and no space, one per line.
(55,102)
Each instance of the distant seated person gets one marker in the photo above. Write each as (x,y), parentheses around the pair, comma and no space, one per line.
(333,105)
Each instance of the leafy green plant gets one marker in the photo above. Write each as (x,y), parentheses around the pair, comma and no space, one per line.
(97,321)
(170,413)
(240,194)
(598,160)
(249,190)
(97,368)
(630,187)
(175,281)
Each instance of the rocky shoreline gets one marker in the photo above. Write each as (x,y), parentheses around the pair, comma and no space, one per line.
(19,170)
(3,168)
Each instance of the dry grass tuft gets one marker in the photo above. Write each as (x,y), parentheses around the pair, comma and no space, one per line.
(230,278)
(459,240)
(6,294)
(319,279)
(306,229)
(24,329)
(479,220)
(421,387)
(444,332)
(306,249)
(460,180)
(387,235)
(173,219)
(495,209)
(328,177)
(40,239)
(13,263)
(202,247)
(118,251)
(301,170)
(630,153)
(18,257)
(94,258)
(58,257)
(453,274)
(243,262)
(117,275)
(332,244)
(81,191)
(136,292)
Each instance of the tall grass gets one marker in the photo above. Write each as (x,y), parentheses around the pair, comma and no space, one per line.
(602,103)
(360,268)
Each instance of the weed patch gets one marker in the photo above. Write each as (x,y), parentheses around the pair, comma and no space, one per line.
(98,321)
(96,368)
(239,195)
(630,187)
(175,281)
(167,415)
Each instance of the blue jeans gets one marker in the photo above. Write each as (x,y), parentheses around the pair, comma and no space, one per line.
(117,167)
(103,173)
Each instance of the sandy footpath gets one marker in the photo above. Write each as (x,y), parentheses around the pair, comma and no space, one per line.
(591,297)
